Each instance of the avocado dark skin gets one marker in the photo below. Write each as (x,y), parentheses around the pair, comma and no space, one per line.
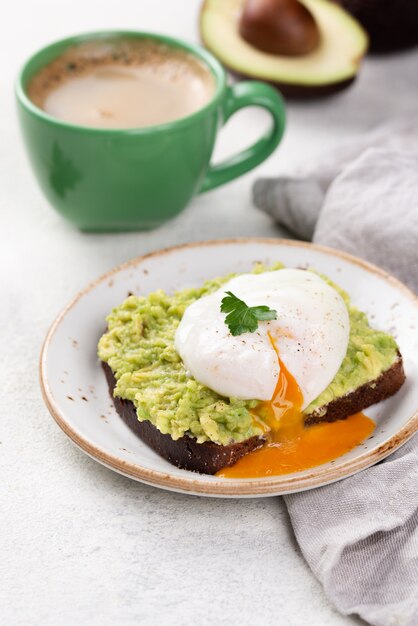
(281,27)
(391,24)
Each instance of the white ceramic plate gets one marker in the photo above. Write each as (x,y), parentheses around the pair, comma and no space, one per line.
(76,393)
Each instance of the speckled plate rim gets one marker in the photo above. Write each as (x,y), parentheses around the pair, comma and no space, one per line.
(276,485)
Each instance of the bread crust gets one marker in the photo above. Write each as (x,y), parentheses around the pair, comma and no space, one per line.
(186,453)
(209,457)
(370,393)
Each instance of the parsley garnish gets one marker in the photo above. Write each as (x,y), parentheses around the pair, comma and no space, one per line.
(242,318)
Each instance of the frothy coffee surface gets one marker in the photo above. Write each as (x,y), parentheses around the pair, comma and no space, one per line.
(122,84)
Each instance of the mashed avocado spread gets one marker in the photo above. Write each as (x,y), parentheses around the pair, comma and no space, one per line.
(139,348)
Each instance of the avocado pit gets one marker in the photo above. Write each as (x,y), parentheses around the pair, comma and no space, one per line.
(280,27)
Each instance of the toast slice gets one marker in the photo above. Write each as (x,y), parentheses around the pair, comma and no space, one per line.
(209,457)
(191,425)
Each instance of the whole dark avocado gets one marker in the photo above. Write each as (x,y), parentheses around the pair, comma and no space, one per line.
(391,24)
(306,48)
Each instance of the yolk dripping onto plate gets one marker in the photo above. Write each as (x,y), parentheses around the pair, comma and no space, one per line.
(292,447)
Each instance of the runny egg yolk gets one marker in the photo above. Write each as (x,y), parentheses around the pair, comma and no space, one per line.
(292,447)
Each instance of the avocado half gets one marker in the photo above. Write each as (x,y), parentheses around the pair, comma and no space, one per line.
(332,66)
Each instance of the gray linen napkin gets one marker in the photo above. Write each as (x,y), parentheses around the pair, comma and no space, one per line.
(362,198)
(360,535)
(360,538)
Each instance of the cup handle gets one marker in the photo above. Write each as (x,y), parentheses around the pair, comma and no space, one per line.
(238,96)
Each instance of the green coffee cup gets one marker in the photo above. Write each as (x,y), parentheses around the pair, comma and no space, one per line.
(137,178)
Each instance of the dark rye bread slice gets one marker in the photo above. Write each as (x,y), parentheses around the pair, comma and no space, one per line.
(209,457)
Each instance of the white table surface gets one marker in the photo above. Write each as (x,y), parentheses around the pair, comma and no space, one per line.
(80,544)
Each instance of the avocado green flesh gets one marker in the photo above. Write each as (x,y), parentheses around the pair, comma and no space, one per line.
(343,43)
(139,348)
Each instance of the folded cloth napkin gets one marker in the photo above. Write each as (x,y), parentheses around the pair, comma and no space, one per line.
(362,198)
(360,535)
(360,538)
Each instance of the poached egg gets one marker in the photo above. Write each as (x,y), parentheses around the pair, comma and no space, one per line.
(308,339)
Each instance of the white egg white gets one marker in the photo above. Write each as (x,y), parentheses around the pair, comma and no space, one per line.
(310,333)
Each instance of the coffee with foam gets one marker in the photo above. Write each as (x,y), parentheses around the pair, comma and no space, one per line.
(122,83)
